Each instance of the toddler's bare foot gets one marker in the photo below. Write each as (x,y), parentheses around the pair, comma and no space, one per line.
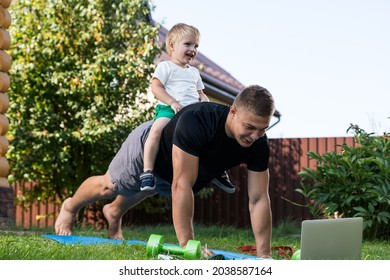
(65,220)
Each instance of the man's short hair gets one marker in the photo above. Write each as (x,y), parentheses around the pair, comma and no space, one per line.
(257,100)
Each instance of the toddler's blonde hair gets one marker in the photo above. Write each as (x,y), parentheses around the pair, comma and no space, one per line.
(177,32)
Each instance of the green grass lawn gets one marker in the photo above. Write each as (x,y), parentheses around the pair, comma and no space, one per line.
(30,245)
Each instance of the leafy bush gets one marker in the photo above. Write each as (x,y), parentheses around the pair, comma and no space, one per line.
(353,183)
(80,75)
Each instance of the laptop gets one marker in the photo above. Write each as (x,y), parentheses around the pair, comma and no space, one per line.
(332,239)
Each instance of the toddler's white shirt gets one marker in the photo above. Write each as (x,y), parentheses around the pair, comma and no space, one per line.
(181,83)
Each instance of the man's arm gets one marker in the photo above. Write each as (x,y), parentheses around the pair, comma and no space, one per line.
(260,211)
(185,173)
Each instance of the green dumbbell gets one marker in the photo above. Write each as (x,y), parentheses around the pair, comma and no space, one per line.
(192,251)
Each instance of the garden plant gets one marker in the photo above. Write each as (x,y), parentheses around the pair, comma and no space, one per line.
(354,182)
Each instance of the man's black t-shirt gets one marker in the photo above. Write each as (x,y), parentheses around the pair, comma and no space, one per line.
(199,129)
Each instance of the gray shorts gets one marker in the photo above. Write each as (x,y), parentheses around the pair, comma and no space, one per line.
(127,165)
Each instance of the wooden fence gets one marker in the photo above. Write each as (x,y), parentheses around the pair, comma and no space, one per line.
(288,157)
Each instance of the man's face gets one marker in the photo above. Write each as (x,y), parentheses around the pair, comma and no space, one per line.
(246,127)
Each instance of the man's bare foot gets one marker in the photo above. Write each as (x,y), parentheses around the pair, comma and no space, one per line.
(65,220)
(114,223)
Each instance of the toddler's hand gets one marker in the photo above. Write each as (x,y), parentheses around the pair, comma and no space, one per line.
(176,107)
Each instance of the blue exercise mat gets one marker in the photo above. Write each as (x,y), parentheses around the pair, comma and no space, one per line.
(91,240)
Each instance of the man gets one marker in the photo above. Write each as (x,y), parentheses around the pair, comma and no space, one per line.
(201,141)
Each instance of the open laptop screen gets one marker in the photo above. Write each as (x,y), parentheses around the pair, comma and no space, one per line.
(332,239)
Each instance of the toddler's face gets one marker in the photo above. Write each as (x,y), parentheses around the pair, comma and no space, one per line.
(184,50)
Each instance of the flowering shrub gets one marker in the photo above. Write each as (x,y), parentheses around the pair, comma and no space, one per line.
(80,73)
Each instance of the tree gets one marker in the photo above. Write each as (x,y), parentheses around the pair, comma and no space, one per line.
(80,75)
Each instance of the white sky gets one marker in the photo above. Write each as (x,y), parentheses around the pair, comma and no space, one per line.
(326,62)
